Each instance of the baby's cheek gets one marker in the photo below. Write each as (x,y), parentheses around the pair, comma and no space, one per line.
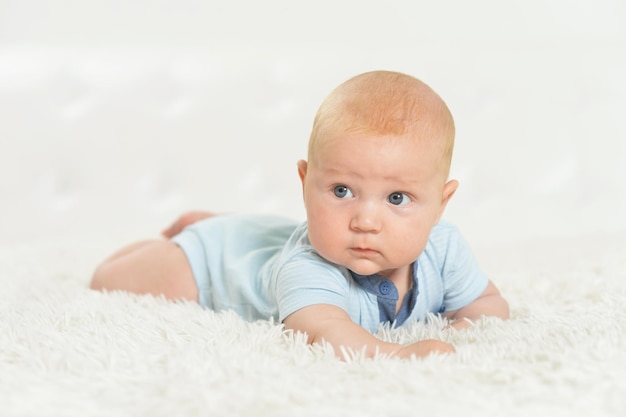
(325,244)
(409,243)
(320,242)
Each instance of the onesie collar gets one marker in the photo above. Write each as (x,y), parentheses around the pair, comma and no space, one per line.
(387,296)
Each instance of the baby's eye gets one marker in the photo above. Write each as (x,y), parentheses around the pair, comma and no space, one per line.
(399,199)
(342,191)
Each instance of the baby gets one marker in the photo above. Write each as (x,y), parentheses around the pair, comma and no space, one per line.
(373,248)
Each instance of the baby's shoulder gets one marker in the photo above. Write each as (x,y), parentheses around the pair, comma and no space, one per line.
(444,242)
(298,258)
(443,233)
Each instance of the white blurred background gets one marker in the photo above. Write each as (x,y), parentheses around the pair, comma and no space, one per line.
(116,116)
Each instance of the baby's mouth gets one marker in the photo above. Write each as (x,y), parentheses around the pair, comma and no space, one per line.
(364,252)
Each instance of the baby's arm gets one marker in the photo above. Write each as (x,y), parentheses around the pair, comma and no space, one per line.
(325,322)
(489,303)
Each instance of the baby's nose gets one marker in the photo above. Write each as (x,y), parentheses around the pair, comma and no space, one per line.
(366,218)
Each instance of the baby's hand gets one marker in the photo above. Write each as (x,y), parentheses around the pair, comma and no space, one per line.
(424,348)
(185,220)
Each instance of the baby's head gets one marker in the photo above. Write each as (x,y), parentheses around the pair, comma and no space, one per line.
(386,104)
(376,182)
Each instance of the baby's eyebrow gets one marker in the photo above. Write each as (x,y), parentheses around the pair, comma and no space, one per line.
(401,181)
(336,171)
(404,181)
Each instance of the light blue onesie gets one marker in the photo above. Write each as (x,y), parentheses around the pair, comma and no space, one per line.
(264,266)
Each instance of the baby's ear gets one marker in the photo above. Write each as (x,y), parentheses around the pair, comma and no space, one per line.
(302,165)
(448,191)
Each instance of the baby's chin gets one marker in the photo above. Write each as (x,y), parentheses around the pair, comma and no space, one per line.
(363,266)
(373,269)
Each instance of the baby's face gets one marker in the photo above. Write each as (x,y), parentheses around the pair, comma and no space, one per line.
(372,201)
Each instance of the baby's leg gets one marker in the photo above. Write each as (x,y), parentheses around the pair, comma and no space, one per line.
(157,267)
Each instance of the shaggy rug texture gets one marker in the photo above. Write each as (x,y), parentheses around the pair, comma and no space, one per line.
(68,351)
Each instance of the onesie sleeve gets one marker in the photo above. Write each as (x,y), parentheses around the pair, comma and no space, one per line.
(463,280)
(302,282)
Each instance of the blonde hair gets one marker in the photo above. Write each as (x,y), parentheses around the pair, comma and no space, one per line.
(385,103)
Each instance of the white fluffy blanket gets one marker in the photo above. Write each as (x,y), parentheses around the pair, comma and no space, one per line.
(69,351)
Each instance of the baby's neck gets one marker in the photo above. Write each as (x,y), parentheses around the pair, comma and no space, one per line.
(402,278)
